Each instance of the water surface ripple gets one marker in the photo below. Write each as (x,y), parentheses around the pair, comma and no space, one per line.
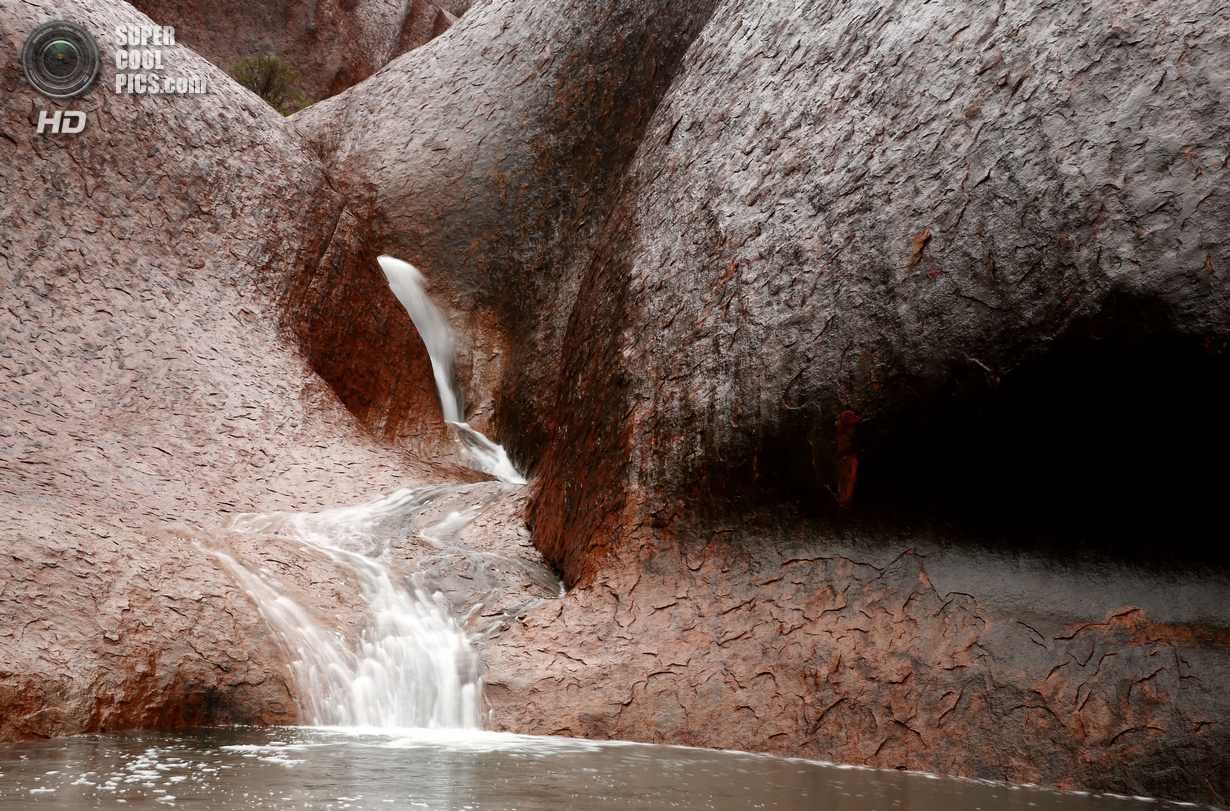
(314,768)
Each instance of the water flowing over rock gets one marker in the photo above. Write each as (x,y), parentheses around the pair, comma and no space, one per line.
(407,284)
(877,284)
(432,570)
(892,278)
(488,163)
(190,309)
(869,362)
(412,667)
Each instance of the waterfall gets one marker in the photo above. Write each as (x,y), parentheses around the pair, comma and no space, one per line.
(407,284)
(412,666)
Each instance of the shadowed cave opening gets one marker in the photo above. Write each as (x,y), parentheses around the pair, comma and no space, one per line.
(1115,440)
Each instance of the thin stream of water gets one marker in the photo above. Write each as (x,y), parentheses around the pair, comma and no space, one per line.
(413,665)
(396,708)
(406,282)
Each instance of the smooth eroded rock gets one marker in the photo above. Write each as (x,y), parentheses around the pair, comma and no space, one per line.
(174,350)
(333,44)
(899,278)
(920,260)
(488,160)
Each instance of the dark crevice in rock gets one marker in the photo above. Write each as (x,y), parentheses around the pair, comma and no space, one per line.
(504,174)
(1106,440)
(1110,439)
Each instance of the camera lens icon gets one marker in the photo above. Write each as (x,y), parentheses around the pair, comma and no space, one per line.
(60,59)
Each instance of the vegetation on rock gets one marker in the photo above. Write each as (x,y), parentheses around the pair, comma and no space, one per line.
(273,80)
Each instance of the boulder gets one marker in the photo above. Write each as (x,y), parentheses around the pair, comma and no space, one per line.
(193,327)
(913,264)
(892,297)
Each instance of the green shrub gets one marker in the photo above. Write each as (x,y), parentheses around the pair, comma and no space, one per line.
(273,80)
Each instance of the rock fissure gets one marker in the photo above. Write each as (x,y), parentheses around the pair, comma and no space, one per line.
(750,345)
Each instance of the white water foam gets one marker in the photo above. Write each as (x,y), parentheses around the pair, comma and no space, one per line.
(406,282)
(487,456)
(413,666)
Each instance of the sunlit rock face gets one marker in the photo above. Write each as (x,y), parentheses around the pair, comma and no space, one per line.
(332,44)
(189,312)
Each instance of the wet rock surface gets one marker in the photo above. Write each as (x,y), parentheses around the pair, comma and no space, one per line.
(333,44)
(900,272)
(836,345)
(760,642)
(163,321)
(107,627)
(490,163)
(937,230)
(465,545)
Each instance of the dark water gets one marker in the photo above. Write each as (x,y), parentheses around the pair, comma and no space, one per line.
(467,771)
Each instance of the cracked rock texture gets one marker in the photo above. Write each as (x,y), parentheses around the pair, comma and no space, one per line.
(802,313)
(761,640)
(844,225)
(333,44)
(908,273)
(189,309)
(842,214)
(490,163)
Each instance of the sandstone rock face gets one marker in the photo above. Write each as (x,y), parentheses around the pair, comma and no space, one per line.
(791,276)
(332,43)
(174,349)
(903,275)
(836,343)
(836,319)
(107,627)
(780,640)
(489,162)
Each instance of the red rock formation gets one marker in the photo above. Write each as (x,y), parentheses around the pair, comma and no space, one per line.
(520,130)
(173,276)
(332,43)
(423,22)
(768,267)
(848,229)
(830,246)
(861,261)
(744,644)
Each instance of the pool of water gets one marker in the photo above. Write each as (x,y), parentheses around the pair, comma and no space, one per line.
(285,768)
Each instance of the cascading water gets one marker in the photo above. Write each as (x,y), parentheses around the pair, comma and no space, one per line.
(413,664)
(407,284)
